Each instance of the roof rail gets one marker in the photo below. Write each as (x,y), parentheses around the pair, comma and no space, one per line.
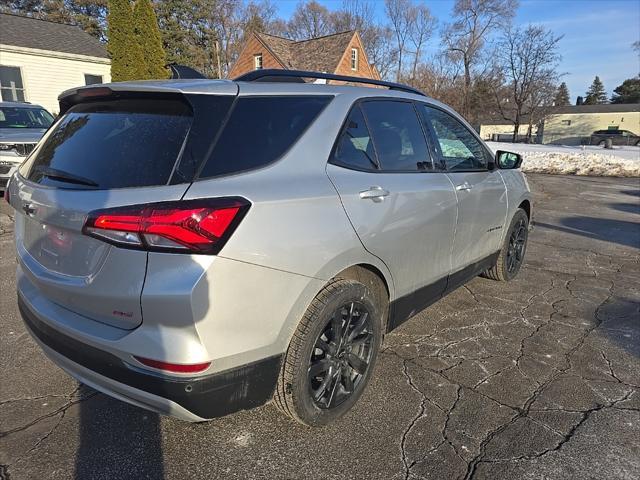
(276,75)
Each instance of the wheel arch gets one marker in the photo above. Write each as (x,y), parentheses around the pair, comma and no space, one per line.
(373,278)
(526,206)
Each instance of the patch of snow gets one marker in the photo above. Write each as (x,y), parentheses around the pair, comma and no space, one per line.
(575,160)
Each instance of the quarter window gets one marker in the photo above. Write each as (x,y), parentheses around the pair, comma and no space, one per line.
(455,144)
(397,136)
(355,148)
(260,130)
(11,85)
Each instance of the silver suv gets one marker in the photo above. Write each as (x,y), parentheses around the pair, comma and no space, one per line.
(201,247)
(21,127)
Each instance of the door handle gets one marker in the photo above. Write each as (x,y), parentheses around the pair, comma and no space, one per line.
(376,194)
(464,187)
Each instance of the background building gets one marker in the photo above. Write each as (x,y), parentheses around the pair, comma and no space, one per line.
(40,59)
(570,125)
(340,53)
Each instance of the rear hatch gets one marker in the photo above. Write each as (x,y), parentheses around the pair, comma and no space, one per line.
(110,149)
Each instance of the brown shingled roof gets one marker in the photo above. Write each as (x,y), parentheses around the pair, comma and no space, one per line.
(320,54)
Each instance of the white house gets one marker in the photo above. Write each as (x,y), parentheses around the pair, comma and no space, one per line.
(40,59)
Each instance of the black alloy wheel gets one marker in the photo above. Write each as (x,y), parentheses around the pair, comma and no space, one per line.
(517,244)
(332,353)
(514,246)
(341,355)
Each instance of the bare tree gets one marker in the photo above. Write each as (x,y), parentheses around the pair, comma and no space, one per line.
(309,20)
(529,58)
(474,21)
(440,78)
(423,27)
(401,14)
(377,38)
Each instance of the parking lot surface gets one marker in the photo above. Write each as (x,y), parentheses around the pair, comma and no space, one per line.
(533,379)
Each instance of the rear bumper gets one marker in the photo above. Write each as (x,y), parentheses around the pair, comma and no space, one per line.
(190,398)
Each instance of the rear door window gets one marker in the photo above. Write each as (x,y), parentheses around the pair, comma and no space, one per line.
(260,130)
(397,135)
(354,148)
(113,144)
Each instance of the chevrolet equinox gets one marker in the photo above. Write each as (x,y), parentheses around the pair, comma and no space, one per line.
(198,247)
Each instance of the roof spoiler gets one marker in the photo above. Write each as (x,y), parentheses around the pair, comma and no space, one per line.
(276,75)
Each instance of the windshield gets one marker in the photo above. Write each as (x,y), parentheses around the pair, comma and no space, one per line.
(24,117)
(112,144)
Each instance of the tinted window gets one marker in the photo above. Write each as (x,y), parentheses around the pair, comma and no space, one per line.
(354,148)
(114,144)
(455,144)
(259,131)
(21,117)
(397,136)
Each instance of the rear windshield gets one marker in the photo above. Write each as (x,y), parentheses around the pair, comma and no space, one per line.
(113,144)
(260,130)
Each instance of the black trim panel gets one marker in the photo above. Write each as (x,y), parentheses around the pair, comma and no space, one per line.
(403,308)
(463,276)
(210,396)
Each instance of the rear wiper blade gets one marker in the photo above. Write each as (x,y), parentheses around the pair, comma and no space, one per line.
(63,176)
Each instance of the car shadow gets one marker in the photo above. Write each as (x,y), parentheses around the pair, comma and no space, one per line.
(621,232)
(633,193)
(118,440)
(626,207)
(620,319)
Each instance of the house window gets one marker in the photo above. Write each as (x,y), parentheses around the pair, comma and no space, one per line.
(90,79)
(11,85)
(257,61)
(354,59)
(566,122)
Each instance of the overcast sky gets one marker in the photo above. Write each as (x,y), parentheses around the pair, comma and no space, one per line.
(597,35)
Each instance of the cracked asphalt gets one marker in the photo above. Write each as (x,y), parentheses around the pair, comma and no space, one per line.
(535,379)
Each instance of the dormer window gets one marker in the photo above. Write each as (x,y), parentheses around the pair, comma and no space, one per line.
(257,61)
(354,59)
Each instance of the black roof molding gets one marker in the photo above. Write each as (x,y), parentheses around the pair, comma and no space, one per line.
(276,75)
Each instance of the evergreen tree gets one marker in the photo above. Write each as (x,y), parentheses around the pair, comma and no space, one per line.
(596,93)
(628,92)
(150,41)
(126,56)
(562,96)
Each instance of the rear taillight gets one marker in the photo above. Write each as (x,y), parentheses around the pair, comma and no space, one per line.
(174,367)
(190,226)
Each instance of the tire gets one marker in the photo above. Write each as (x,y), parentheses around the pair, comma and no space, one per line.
(315,344)
(602,143)
(504,270)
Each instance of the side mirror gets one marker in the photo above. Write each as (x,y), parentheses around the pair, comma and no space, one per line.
(508,160)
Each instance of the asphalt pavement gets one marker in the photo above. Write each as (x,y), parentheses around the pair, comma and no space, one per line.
(538,378)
